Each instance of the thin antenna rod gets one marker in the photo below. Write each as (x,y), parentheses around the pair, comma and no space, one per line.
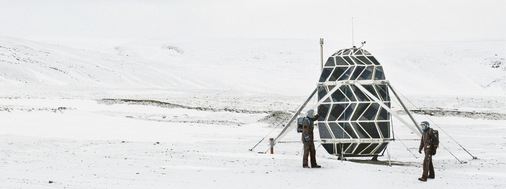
(321,53)
(352,34)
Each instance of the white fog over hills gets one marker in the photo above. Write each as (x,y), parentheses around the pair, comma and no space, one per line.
(279,66)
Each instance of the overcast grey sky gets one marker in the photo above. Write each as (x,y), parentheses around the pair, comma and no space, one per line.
(386,20)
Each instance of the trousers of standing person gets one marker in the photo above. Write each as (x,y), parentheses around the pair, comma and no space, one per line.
(309,149)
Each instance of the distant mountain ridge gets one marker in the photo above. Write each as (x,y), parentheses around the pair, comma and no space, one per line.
(246,65)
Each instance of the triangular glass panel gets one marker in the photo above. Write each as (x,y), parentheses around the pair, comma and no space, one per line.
(383,114)
(361,97)
(339,96)
(338,131)
(380,148)
(325,74)
(371,112)
(328,100)
(359,52)
(364,60)
(347,74)
(325,115)
(367,74)
(355,51)
(383,91)
(361,107)
(363,112)
(346,52)
(357,61)
(361,148)
(324,131)
(348,59)
(385,129)
(357,72)
(348,92)
(336,110)
(378,74)
(369,149)
(347,113)
(322,91)
(370,128)
(338,71)
(347,127)
(373,60)
(344,147)
(370,88)
(360,132)
(330,62)
(351,149)
(340,61)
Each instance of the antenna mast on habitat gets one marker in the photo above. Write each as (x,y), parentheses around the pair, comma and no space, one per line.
(352,34)
(321,54)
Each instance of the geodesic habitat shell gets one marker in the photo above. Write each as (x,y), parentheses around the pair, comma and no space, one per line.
(354,124)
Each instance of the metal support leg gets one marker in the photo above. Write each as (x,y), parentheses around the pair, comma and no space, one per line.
(404,107)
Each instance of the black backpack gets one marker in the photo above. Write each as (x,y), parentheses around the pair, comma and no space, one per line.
(434,141)
(300,120)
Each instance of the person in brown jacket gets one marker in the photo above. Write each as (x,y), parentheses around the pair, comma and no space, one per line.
(308,138)
(425,144)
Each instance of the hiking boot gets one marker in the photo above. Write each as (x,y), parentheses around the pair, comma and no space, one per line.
(431,177)
(305,166)
(316,166)
(422,179)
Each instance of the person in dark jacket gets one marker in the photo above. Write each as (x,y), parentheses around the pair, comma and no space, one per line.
(308,139)
(425,144)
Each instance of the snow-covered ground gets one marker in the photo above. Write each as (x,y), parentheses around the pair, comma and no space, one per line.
(89,144)
(182,113)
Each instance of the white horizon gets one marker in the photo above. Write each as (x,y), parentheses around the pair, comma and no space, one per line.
(120,21)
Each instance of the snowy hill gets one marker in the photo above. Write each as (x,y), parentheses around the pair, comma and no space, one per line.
(246,65)
(456,68)
(234,65)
